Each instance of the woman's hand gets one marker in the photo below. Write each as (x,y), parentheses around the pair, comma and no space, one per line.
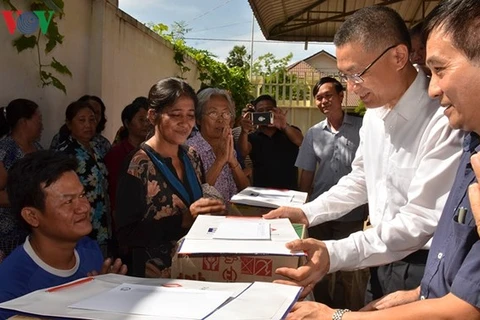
(207,206)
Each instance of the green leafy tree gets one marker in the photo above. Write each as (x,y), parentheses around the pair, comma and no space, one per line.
(268,64)
(238,57)
(212,72)
(277,82)
(48,70)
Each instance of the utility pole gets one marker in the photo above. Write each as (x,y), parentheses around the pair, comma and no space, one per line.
(251,46)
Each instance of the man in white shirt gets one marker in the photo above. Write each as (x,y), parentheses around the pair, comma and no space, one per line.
(404,167)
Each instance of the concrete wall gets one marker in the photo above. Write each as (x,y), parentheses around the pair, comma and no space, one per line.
(109,53)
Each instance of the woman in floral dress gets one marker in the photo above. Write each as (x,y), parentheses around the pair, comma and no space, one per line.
(81,123)
(159,194)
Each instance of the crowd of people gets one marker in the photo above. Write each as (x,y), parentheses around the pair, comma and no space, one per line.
(66,212)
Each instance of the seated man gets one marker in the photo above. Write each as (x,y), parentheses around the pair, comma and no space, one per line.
(273,148)
(48,196)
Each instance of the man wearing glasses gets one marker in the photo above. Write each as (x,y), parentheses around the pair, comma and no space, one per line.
(404,167)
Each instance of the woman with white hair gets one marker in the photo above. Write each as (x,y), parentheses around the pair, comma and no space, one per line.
(215,143)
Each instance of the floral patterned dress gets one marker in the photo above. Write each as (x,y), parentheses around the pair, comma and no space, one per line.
(93,175)
(149,209)
(12,233)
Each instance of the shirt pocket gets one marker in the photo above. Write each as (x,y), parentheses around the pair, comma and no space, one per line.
(463,238)
(399,180)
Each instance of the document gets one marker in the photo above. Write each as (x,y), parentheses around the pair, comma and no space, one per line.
(201,237)
(156,301)
(242,230)
(269,198)
(258,300)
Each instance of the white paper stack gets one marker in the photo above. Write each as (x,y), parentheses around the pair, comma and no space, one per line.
(113,296)
(269,198)
(201,238)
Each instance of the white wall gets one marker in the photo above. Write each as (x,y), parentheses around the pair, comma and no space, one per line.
(109,53)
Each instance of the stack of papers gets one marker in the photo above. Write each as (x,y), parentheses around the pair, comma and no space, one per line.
(269,198)
(113,296)
(239,235)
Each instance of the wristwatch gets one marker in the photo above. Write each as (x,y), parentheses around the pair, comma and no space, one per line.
(338,314)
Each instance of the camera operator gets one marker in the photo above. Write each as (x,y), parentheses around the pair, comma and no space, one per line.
(273,147)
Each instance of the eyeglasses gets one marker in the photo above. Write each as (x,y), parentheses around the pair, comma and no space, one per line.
(214,115)
(357,77)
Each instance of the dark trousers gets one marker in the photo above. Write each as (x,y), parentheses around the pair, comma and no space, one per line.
(342,289)
(405,274)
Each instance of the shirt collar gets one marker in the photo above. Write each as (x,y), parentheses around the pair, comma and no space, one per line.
(471,143)
(410,100)
(347,119)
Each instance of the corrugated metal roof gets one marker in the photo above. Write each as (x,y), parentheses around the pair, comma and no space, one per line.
(318,20)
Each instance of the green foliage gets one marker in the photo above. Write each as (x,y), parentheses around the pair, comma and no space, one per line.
(268,64)
(277,82)
(23,42)
(360,109)
(238,57)
(212,72)
(53,38)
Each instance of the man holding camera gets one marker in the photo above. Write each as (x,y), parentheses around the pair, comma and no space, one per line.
(273,146)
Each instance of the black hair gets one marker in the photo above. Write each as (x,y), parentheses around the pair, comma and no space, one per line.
(31,174)
(74,107)
(264,97)
(141,100)
(103,119)
(417,30)
(459,19)
(375,28)
(166,91)
(338,86)
(127,115)
(17,109)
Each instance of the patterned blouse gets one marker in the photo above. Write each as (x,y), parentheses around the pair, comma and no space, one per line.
(225,183)
(103,145)
(12,233)
(93,175)
(148,213)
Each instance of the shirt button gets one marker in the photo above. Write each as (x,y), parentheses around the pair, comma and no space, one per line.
(440,256)
(422,297)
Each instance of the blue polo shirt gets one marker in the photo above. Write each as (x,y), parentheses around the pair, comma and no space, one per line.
(453,263)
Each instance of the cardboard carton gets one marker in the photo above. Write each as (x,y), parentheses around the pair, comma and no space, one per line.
(234,268)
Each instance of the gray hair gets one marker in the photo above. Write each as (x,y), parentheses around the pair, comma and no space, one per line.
(206,94)
(374,28)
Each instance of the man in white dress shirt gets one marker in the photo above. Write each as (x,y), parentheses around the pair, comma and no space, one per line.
(404,166)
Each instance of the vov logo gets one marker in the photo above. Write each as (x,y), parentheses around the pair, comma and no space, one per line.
(27,22)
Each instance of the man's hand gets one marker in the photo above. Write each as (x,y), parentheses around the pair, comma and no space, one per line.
(296,215)
(397,298)
(117,267)
(246,123)
(310,310)
(474,191)
(279,119)
(206,205)
(313,271)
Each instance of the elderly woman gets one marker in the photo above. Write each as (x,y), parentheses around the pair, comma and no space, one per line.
(215,143)
(98,107)
(20,130)
(160,194)
(81,124)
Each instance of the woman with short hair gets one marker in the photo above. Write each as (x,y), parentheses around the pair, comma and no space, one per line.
(20,129)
